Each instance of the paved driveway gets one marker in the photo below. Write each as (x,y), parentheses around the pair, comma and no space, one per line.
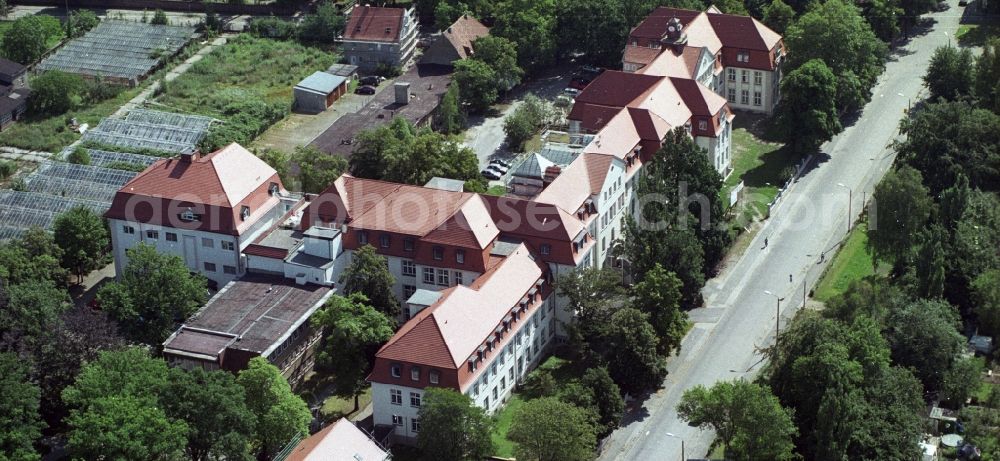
(811,218)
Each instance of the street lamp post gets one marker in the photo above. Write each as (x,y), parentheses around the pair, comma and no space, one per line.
(671,434)
(777,314)
(850,200)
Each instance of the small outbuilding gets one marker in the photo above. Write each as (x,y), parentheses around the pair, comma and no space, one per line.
(13,92)
(344,70)
(317,92)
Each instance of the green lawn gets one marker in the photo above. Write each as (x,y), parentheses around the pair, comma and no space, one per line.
(975,34)
(247,83)
(852,262)
(762,166)
(505,448)
(335,407)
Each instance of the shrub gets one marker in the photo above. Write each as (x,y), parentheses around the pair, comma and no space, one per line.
(82,21)
(272,27)
(56,92)
(160,18)
(79,156)
(7,168)
(388,70)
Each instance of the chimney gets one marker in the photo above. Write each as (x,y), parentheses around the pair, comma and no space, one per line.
(189,156)
(551,173)
(402,91)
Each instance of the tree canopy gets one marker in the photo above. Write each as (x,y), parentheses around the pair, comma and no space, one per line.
(400,152)
(902,207)
(476,82)
(808,107)
(280,414)
(317,169)
(20,424)
(550,429)
(28,38)
(368,274)
(452,428)
(659,295)
(950,73)
(83,238)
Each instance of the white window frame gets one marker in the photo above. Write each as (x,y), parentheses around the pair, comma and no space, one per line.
(396,397)
(409,268)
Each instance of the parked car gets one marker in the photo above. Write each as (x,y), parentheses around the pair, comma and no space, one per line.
(592,69)
(498,168)
(501,162)
(365,90)
(490,174)
(372,80)
(571,91)
(579,83)
(942,6)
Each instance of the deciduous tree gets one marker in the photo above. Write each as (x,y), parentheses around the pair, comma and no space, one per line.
(987,82)
(552,430)
(531,25)
(631,353)
(29,312)
(317,169)
(450,119)
(83,238)
(476,82)
(986,295)
(607,397)
(593,29)
(125,427)
(20,425)
(368,274)
(219,424)
(950,73)
(280,414)
(452,428)
(324,26)
(27,39)
(808,107)
(353,332)
(903,208)
(924,335)
(501,55)
(55,92)
(34,257)
(778,15)
(659,296)
(747,418)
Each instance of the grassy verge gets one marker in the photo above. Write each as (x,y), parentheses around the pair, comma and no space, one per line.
(247,83)
(762,167)
(976,34)
(505,448)
(852,262)
(335,407)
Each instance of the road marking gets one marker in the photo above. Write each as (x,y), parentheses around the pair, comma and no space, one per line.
(647,432)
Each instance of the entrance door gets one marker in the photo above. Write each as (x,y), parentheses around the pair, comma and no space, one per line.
(190,252)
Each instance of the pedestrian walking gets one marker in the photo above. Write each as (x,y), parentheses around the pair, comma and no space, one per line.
(765,242)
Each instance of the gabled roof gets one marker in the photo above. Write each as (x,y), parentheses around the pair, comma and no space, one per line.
(743,32)
(470,227)
(640,54)
(617,138)
(374,24)
(340,441)
(616,89)
(222,178)
(529,218)
(579,181)
(670,63)
(445,334)
(463,32)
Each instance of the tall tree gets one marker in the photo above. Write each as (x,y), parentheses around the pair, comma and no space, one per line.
(27,39)
(924,335)
(902,207)
(746,417)
(54,92)
(324,26)
(676,249)
(353,332)
(593,295)
(531,25)
(125,427)
(431,154)
(808,107)
(950,73)
(34,257)
(368,274)
(280,414)
(930,263)
(953,202)
(883,16)
(83,238)
(987,83)
(550,429)
(778,15)
(986,295)
(152,292)
(29,312)
(452,428)
(593,29)
(214,407)
(633,361)
(450,119)
(835,32)
(476,82)
(317,169)
(369,158)
(659,295)
(20,425)
(501,55)
(607,398)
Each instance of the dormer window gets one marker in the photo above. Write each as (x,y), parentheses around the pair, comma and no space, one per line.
(407,244)
(384,240)
(244,212)
(546,249)
(396,370)
(415,373)
(702,125)
(189,215)
(272,189)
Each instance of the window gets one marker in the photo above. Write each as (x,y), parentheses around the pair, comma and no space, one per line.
(702,125)
(409,269)
(503,382)
(397,420)
(396,396)
(396,371)
(153,235)
(460,256)
(438,253)
(171,237)
(756,98)
(128,229)
(210,267)
(495,395)
(408,291)
(434,376)
(732,75)
(415,373)
(226,245)
(362,237)
(743,56)
(731,95)
(511,374)
(758,77)
(428,275)
(384,240)
(744,97)
(407,244)
(231,270)
(443,277)
(493,370)
(414,400)
(744,77)
(415,425)
(272,188)
(486,402)
(244,212)
(546,248)
(207,242)
(189,215)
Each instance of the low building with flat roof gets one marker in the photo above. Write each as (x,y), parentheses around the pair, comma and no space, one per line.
(257,315)
(317,92)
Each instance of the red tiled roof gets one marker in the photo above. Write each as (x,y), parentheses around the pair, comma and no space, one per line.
(640,54)
(420,340)
(617,89)
(371,23)
(463,32)
(656,23)
(592,117)
(691,94)
(742,32)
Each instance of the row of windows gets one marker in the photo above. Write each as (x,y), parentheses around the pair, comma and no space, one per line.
(443,276)
(172,237)
(758,77)
(211,267)
(433,375)
(396,398)
(397,420)
(385,241)
(745,96)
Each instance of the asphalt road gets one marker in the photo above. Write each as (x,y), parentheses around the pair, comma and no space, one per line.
(812,217)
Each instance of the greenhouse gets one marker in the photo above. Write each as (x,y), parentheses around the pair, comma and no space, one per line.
(147,129)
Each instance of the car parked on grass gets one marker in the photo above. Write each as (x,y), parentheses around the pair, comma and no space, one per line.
(365,90)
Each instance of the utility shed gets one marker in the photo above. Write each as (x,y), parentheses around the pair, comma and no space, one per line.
(318,91)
